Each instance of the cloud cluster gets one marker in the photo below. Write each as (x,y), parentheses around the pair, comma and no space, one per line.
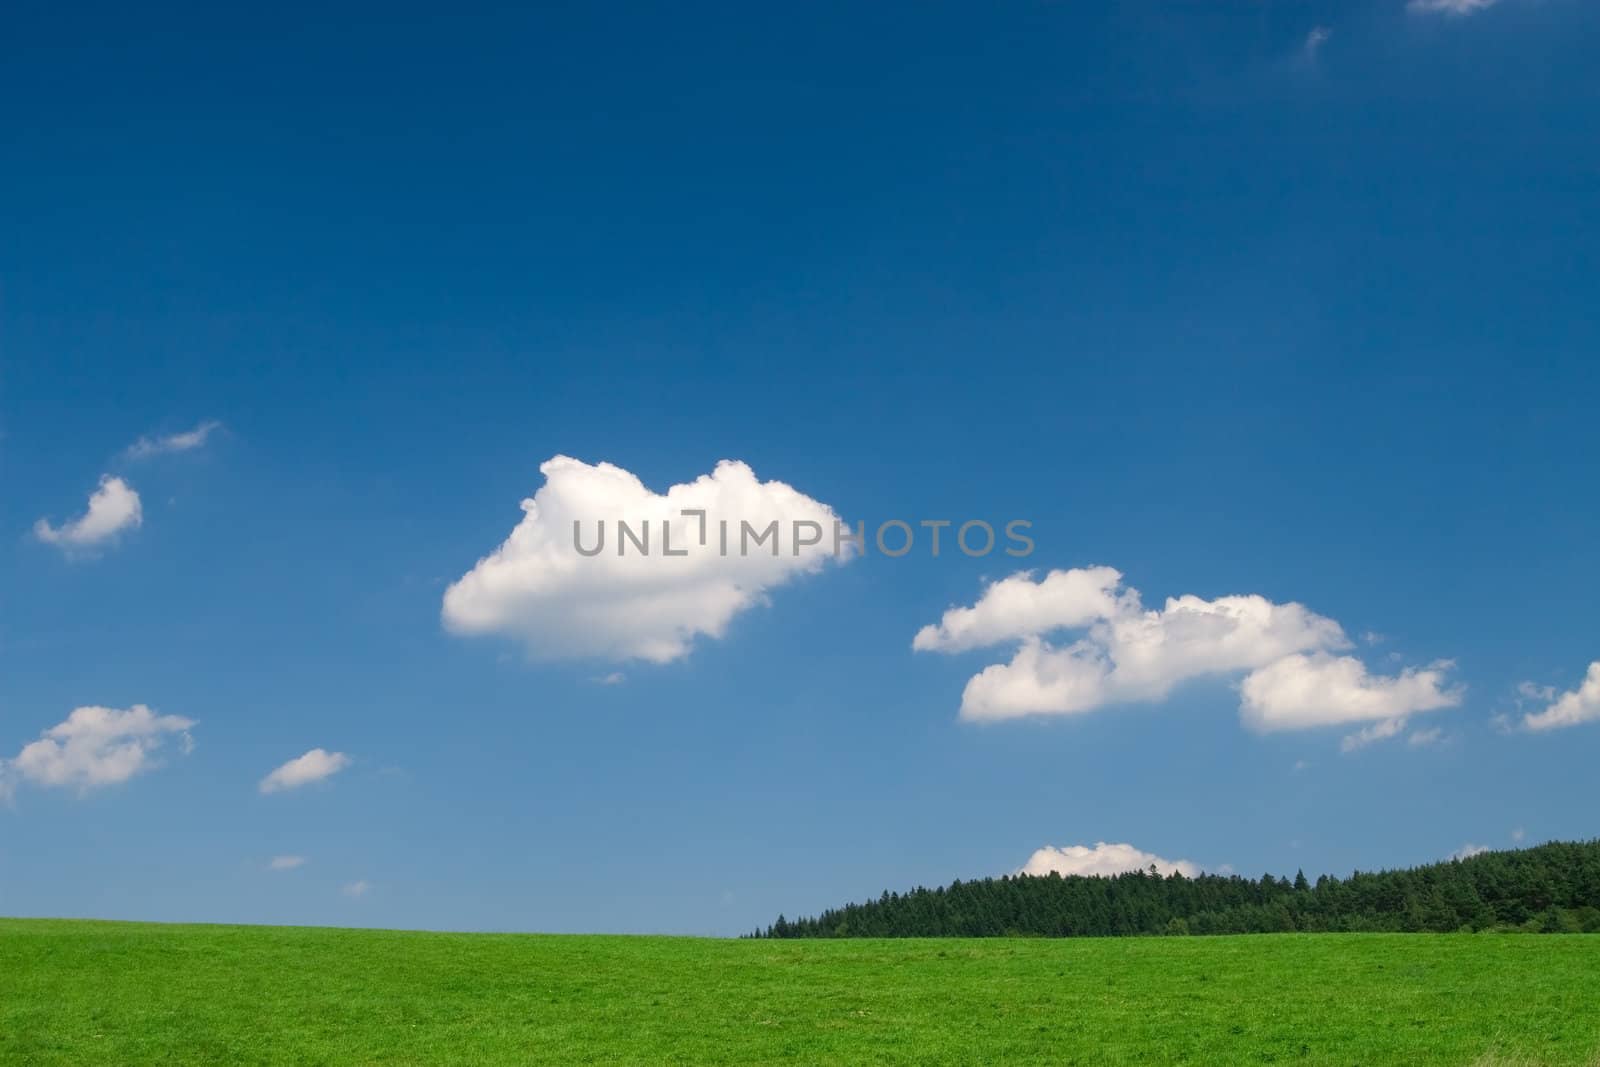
(314,766)
(1131,654)
(1575,706)
(95,746)
(1103,859)
(622,603)
(113,507)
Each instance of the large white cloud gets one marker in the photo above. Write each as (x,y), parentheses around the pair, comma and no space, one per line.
(113,507)
(314,766)
(1570,708)
(623,603)
(1129,653)
(1103,859)
(94,747)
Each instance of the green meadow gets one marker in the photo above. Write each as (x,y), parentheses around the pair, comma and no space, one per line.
(74,992)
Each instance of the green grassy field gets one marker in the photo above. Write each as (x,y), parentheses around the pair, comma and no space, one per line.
(123,993)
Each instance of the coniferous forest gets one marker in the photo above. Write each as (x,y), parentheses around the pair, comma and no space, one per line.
(1552,888)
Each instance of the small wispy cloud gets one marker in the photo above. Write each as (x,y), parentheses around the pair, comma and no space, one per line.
(1315,40)
(614,678)
(145,447)
(1380,731)
(1454,8)
(286,863)
(1533,691)
(314,766)
(1387,729)
(357,888)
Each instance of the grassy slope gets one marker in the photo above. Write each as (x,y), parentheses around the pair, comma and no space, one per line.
(122,993)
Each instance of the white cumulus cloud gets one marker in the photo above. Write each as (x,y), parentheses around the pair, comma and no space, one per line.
(113,507)
(1324,690)
(1469,850)
(95,746)
(1018,607)
(623,603)
(1575,706)
(314,766)
(145,447)
(1127,653)
(1103,859)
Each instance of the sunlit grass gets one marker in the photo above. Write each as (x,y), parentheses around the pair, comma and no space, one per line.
(116,993)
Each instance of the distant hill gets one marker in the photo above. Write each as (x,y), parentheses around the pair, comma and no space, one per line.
(1552,888)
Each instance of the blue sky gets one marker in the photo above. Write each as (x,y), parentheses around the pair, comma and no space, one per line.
(1293,302)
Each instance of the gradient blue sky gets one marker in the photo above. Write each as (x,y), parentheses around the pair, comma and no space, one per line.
(1226,303)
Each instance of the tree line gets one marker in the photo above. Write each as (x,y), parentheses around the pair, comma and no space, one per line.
(1552,888)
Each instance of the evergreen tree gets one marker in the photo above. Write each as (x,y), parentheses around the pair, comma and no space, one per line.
(1552,888)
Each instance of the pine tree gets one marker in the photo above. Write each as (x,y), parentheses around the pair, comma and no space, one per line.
(1553,887)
